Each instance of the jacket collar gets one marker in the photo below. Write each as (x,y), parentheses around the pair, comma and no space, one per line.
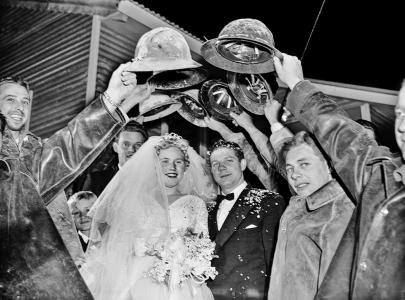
(399,174)
(328,193)
(9,146)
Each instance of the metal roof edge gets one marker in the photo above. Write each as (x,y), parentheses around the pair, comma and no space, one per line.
(357,92)
(152,19)
(103,8)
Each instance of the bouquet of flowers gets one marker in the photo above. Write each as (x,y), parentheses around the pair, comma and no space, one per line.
(183,255)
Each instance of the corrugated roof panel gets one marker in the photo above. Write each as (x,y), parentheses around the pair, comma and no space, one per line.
(114,49)
(53,58)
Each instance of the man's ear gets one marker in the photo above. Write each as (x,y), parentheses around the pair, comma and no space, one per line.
(243,164)
(115,147)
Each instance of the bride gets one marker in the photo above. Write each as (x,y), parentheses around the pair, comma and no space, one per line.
(160,190)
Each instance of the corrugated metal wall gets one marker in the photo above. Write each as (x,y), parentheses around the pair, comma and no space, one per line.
(51,51)
(115,48)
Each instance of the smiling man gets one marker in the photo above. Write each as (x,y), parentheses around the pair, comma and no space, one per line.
(369,262)
(243,225)
(35,262)
(15,106)
(313,223)
(129,141)
(125,144)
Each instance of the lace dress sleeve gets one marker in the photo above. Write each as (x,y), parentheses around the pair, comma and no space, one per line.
(201,222)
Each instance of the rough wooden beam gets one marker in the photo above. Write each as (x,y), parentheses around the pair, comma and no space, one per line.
(365,112)
(355,92)
(203,137)
(164,127)
(93,59)
(27,126)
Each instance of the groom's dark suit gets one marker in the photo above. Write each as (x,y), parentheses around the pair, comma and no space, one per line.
(245,245)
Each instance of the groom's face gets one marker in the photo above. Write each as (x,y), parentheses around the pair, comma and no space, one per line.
(227,169)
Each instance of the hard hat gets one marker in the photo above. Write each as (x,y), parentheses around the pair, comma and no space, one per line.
(162,49)
(177,79)
(252,91)
(216,97)
(243,46)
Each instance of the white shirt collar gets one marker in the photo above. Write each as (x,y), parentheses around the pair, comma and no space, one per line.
(238,190)
(84,237)
(226,205)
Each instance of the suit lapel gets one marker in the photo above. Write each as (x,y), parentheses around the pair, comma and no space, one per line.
(212,221)
(237,214)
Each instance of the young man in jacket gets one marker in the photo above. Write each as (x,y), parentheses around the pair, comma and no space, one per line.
(370,260)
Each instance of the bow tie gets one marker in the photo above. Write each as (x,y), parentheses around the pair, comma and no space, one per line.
(226,197)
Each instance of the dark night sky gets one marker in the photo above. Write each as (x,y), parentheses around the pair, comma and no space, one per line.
(355,42)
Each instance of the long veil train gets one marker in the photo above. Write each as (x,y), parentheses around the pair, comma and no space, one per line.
(132,210)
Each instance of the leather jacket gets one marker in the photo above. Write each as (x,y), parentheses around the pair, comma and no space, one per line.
(34,262)
(370,260)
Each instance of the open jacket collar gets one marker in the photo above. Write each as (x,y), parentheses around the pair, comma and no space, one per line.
(9,146)
(328,193)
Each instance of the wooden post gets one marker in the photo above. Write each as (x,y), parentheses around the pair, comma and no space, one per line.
(27,125)
(93,59)
(164,127)
(365,112)
(203,134)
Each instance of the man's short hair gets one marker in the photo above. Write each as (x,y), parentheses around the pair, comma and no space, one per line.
(225,144)
(133,126)
(298,139)
(13,79)
(80,196)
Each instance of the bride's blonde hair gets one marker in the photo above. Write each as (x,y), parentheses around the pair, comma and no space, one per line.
(174,140)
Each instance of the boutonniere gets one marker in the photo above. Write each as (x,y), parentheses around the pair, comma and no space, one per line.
(211,205)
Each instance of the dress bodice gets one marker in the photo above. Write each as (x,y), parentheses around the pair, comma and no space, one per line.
(188,212)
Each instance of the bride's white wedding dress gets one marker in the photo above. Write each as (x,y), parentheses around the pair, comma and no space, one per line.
(186,212)
(133,211)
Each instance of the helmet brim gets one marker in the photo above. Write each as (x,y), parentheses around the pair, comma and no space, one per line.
(178,79)
(211,55)
(216,110)
(243,93)
(191,110)
(158,106)
(152,65)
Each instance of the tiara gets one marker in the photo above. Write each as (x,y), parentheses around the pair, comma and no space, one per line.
(225,144)
(173,140)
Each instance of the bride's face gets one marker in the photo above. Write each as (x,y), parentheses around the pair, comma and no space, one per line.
(173,165)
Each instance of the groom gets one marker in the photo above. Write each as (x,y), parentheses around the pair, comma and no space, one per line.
(244,225)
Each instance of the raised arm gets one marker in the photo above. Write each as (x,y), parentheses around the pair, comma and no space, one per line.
(262,142)
(279,133)
(259,138)
(345,141)
(71,150)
